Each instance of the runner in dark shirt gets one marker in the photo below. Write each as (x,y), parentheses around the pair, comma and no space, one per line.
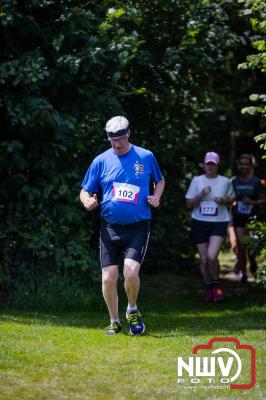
(249,197)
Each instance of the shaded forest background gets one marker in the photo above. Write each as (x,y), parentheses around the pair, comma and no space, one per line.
(177,69)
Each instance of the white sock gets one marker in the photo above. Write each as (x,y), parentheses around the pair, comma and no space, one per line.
(130,309)
(115,320)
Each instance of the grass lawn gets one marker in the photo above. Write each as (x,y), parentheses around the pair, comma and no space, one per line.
(67,356)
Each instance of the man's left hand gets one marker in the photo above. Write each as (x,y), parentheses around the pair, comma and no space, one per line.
(153,201)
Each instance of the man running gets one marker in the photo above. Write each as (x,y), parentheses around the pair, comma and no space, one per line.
(123,173)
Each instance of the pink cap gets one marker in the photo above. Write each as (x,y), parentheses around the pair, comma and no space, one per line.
(211,156)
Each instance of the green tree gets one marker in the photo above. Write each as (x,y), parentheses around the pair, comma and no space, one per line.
(65,68)
(256,10)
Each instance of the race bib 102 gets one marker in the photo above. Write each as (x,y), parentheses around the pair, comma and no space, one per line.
(208,208)
(244,209)
(125,192)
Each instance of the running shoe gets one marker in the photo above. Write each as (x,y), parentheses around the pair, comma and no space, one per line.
(217,293)
(208,295)
(113,328)
(136,325)
(243,277)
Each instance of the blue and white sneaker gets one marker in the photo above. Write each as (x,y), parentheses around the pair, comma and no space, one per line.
(136,325)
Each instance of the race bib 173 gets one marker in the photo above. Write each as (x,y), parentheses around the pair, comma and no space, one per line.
(209,208)
(125,192)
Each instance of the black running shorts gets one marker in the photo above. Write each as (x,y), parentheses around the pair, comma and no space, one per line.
(240,221)
(130,240)
(203,230)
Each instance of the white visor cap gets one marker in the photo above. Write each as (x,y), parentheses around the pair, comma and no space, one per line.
(117,126)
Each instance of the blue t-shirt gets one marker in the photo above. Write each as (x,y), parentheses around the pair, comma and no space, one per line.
(125,183)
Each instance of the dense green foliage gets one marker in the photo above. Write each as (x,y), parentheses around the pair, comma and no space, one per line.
(257,11)
(66,67)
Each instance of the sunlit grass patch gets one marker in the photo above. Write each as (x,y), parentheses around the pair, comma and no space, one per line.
(67,355)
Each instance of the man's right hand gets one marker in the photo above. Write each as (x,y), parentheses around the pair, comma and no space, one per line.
(90,203)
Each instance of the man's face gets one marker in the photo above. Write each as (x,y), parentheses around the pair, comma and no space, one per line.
(120,144)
